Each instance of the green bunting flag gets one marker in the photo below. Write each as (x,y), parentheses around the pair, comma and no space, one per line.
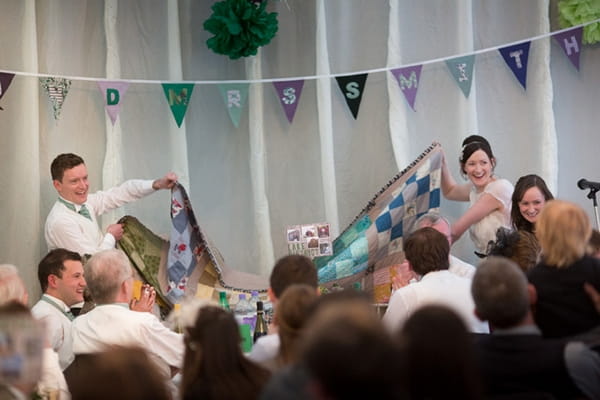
(178,97)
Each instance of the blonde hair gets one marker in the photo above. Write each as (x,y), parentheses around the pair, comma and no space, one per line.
(563,230)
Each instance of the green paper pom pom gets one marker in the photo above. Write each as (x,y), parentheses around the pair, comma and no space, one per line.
(577,12)
(240,27)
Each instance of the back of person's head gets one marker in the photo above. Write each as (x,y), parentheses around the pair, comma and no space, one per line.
(292,269)
(11,285)
(347,351)
(523,185)
(427,250)
(214,366)
(470,145)
(53,264)
(520,246)
(563,230)
(500,292)
(437,356)
(105,271)
(21,347)
(293,309)
(63,162)
(118,373)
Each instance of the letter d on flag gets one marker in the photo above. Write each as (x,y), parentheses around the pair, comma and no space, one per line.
(113,92)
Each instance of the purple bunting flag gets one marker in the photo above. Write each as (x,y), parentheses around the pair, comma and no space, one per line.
(113,93)
(516,58)
(289,96)
(5,81)
(570,42)
(408,79)
(352,88)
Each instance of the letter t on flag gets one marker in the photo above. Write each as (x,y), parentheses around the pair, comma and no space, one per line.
(113,93)
(516,58)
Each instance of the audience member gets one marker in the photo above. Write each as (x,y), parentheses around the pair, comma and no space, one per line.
(347,353)
(72,222)
(594,244)
(21,347)
(437,355)
(488,196)
(563,308)
(118,372)
(427,252)
(61,277)
(287,271)
(290,319)
(214,366)
(520,246)
(12,289)
(528,200)
(112,322)
(441,224)
(515,359)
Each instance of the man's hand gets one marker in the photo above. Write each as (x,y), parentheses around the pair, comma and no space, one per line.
(166,182)
(593,295)
(403,276)
(146,302)
(116,230)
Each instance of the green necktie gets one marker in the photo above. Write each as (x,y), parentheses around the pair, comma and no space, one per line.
(85,212)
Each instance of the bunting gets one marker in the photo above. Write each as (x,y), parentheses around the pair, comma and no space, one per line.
(408,79)
(461,69)
(112,93)
(234,95)
(516,58)
(57,89)
(570,43)
(352,88)
(178,96)
(5,81)
(289,95)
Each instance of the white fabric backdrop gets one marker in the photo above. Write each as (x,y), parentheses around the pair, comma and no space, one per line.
(248,183)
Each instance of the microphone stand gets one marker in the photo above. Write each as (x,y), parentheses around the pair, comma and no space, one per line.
(592,195)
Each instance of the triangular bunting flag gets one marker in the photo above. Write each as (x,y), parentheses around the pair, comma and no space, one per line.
(461,69)
(234,95)
(570,42)
(113,93)
(57,89)
(352,88)
(5,81)
(408,79)
(289,95)
(178,97)
(516,58)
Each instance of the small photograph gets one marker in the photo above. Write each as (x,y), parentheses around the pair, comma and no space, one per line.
(309,231)
(293,235)
(325,248)
(323,230)
(313,243)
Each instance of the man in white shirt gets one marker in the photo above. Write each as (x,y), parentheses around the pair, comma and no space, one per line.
(61,277)
(427,252)
(72,223)
(111,322)
(288,270)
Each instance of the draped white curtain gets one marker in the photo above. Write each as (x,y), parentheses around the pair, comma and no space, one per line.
(248,183)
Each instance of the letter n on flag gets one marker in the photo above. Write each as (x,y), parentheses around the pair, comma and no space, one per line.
(113,93)
(289,95)
(178,96)
(408,79)
(516,57)
(570,42)
(5,81)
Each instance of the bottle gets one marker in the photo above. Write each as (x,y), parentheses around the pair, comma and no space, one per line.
(223,301)
(261,326)
(244,313)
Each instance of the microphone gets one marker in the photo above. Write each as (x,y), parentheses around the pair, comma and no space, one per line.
(585,184)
